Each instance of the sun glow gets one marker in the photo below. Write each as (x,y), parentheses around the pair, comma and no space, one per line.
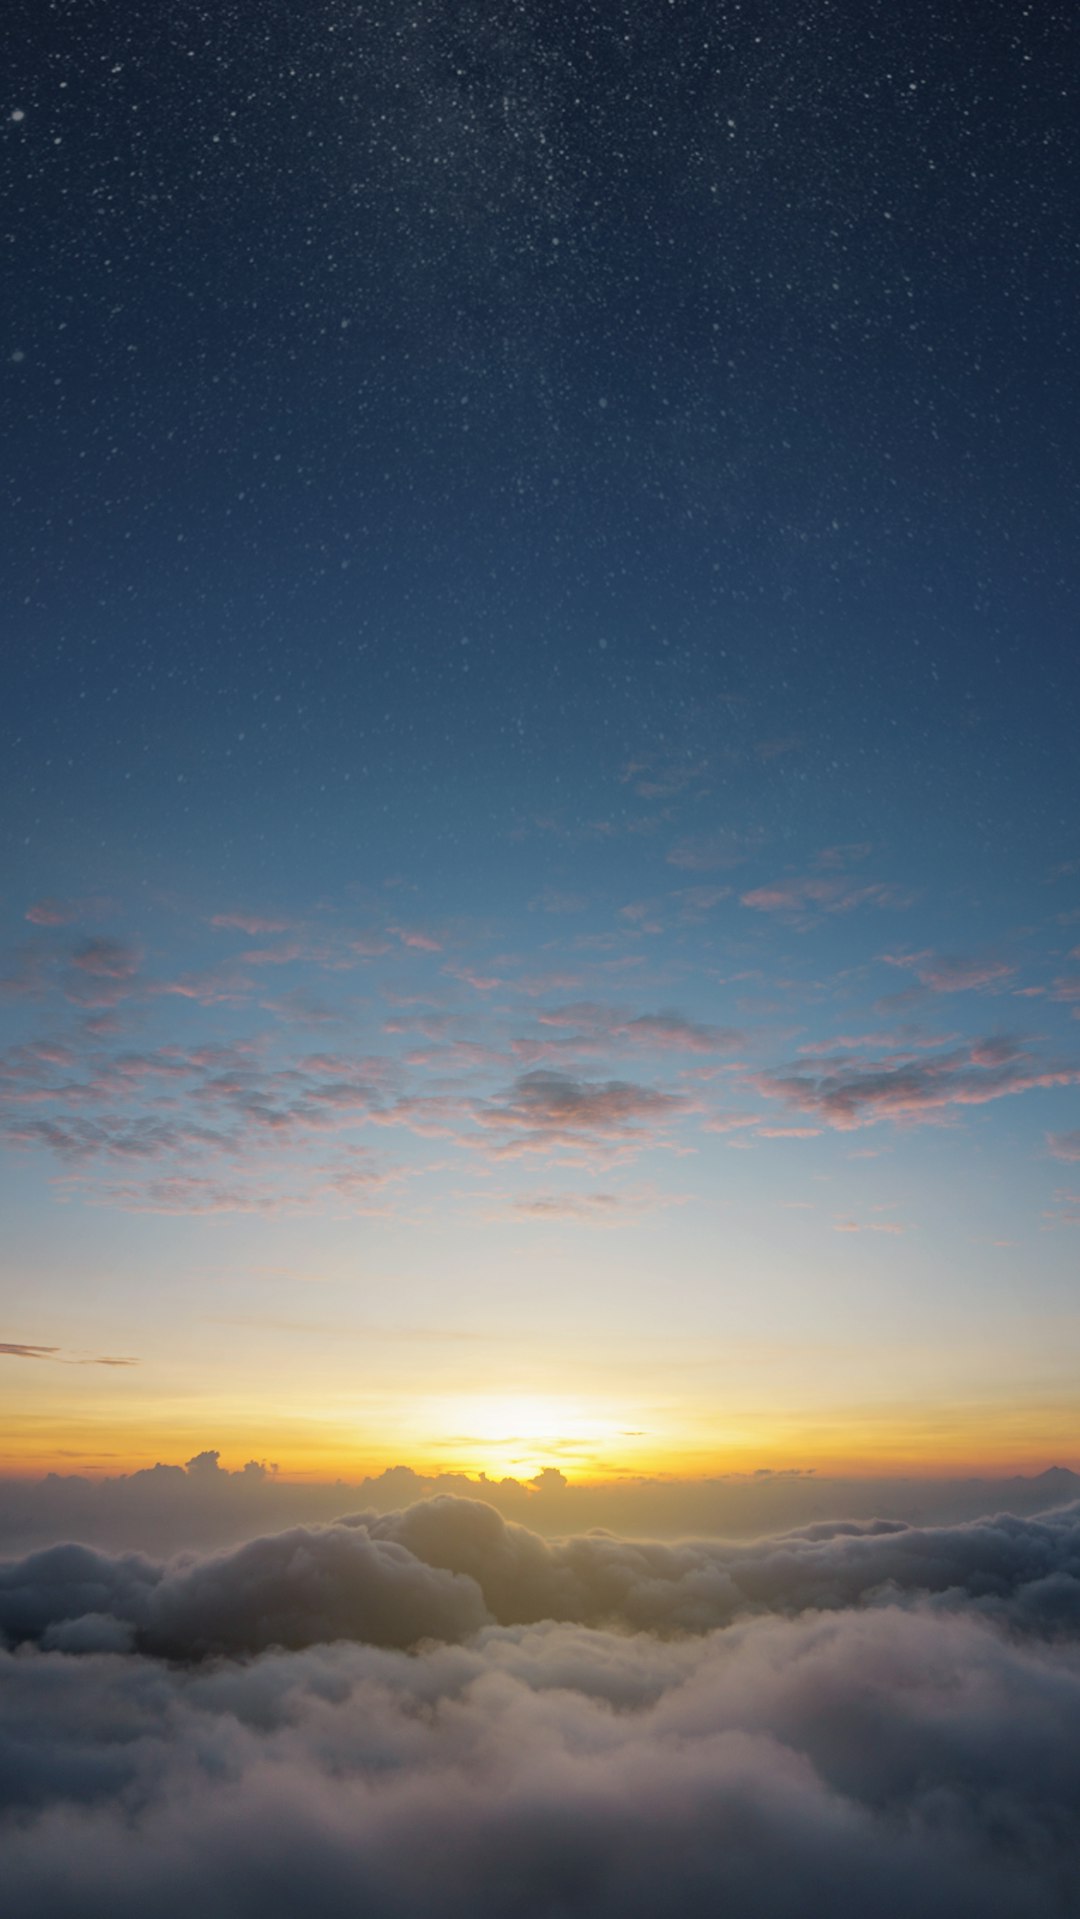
(520,1434)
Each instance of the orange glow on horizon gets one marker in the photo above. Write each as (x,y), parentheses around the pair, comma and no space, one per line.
(519,1436)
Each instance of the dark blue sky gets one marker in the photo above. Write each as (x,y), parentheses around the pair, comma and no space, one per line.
(556,524)
(477,395)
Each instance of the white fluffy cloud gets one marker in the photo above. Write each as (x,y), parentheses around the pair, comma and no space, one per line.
(888,1721)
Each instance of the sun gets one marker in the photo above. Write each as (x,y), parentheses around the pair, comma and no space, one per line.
(518,1434)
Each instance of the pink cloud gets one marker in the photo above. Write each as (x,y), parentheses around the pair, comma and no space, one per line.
(251,923)
(212,988)
(789,1132)
(275,955)
(664,1031)
(535,985)
(1064,1146)
(697,901)
(848,1093)
(53,912)
(480,982)
(658,780)
(106,959)
(594,1208)
(707,852)
(418,941)
(50,913)
(104,970)
(816,893)
(641,914)
(545,1109)
(553,900)
(855,1042)
(952,975)
(868,1226)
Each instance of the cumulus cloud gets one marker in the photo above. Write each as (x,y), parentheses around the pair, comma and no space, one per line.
(444,1567)
(886,1722)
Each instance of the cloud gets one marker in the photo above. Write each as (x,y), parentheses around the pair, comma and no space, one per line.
(711,852)
(1066,1210)
(845,1720)
(697,902)
(444,1567)
(868,1226)
(201,1128)
(102,972)
(15,1350)
(545,1109)
(251,923)
(597,1209)
(50,913)
(775,749)
(807,897)
(594,1024)
(911,1088)
(106,959)
(552,900)
(1064,1145)
(416,939)
(944,975)
(858,1042)
(653,779)
(789,1132)
(675,1033)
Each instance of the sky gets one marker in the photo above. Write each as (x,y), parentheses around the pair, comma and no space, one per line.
(541,856)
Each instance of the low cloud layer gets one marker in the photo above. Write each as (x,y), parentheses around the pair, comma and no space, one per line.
(163,1509)
(445,1567)
(849,1719)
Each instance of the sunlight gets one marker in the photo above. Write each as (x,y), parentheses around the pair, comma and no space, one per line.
(520,1434)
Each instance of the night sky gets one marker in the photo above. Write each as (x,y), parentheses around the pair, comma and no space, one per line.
(540,689)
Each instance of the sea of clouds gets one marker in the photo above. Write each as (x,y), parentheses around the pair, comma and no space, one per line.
(436,1711)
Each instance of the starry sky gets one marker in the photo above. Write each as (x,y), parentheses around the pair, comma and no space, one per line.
(540,689)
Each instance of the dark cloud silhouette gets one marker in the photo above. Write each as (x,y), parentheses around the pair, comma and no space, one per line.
(14,1349)
(164,1508)
(895,1731)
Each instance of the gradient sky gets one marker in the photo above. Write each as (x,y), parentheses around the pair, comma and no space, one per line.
(541,845)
